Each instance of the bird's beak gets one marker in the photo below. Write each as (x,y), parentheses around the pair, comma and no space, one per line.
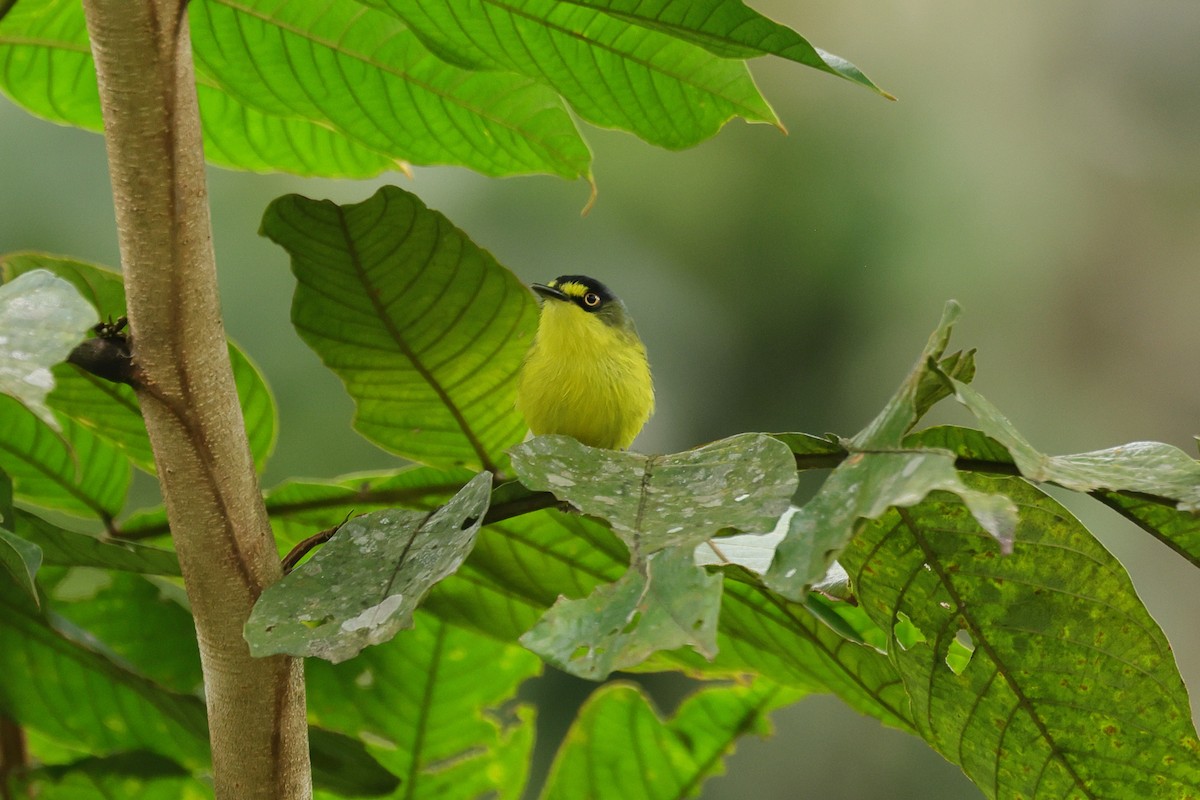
(549,291)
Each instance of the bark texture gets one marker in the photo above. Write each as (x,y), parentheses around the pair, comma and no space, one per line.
(255,706)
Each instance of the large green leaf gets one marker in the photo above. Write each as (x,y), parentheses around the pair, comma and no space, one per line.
(47,67)
(744,482)
(363,74)
(673,757)
(363,587)
(349,89)
(42,318)
(425,329)
(428,705)
(111,410)
(615,75)
(1071,690)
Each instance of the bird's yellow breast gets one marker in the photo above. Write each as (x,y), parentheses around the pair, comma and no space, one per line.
(585,378)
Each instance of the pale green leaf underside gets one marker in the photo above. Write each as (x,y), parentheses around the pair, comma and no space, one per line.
(673,757)
(425,329)
(744,482)
(1157,513)
(426,705)
(1145,467)
(42,318)
(864,486)
(1071,691)
(364,585)
(664,603)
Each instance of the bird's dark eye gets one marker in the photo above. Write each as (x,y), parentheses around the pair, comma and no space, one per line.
(591,300)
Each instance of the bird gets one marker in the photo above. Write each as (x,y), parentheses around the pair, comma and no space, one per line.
(586,374)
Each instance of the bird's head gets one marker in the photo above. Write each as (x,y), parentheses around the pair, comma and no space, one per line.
(589,296)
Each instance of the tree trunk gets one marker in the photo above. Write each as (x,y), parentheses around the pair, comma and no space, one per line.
(185,385)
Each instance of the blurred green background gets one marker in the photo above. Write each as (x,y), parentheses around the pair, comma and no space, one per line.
(1041,166)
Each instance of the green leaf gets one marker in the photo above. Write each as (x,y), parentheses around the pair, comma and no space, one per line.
(1145,467)
(1071,690)
(425,329)
(673,757)
(89,477)
(144,623)
(914,395)
(744,482)
(762,633)
(138,775)
(863,487)
(46,66)
(21,560)
(433,706)
(18,557)
(360,72)
(665,90)
(66,548)
(663,603)
(65,690)
(110,410)
(342,765)
(362,587)
(42,318)
(729,29)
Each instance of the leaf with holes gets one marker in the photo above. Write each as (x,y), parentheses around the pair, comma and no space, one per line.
(744,482)
(42,318)
(1157,514)
(664,603)
(363,586)
(436,707)
(425,329)
(1149,468)
(674,757)
(864,486)
(1071,689)
(918,391)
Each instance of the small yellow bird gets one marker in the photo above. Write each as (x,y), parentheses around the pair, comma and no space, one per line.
(586,373)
